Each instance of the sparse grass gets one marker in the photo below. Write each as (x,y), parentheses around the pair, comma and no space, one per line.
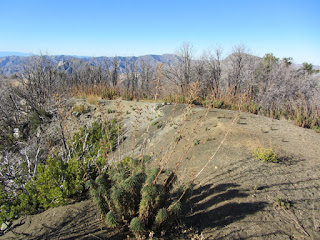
(316,128)
(158,124)
(299,110)
(196,142)
(210,139)
(93,99)
(110,111)
(265,154)
(280,203)
(177,138)
(155,123)
(80,108)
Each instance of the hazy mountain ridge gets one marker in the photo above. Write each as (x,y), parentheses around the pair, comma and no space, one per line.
(14,64)
(20,54)
(15,61)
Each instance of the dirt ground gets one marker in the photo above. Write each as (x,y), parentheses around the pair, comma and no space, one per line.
(234,193)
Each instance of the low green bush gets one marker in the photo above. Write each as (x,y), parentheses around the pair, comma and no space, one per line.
(265,155)
(9,206)
(55,183)
(61,178)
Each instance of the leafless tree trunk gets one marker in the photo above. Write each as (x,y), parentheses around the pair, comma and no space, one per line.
(39,84)
(236,71)
(115,71)
(181,72)
(213,64)
(146,76)
(200,75)
(134,77)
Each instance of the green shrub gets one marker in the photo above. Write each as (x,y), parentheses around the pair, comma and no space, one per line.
(265,155)
(61,179)
(57,181)
(316,128)
(111,220)
(8,206)
(55,184)
(161,216)
(136,226)
(130,193)
(90,145)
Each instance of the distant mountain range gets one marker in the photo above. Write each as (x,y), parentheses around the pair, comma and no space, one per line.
(13,62)
(20,54)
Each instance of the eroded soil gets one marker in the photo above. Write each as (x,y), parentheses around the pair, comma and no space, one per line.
(234,194)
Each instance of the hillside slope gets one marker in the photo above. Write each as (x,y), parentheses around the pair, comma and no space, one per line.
(233,196)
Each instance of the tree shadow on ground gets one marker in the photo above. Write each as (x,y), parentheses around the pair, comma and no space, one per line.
(83,228)
(203,213)
(83,225)
(235,235)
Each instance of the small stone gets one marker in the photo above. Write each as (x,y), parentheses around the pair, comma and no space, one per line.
(4,226)
(16,132)
(76,114)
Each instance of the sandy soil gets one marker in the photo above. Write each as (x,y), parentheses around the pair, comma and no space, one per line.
(233,196)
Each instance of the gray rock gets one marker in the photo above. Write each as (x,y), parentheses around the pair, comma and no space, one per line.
(76,114)
(16,133)
(5,226)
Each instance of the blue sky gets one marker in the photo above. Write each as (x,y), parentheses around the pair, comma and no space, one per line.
(123,28)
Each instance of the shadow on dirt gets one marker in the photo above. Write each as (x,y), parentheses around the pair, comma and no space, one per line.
(235,235)
(207,196)
(84,225)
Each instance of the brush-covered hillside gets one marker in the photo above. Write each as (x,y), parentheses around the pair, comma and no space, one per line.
(217,148)
(234,193)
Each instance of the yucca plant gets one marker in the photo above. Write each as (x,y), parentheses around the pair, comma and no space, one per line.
(129,194)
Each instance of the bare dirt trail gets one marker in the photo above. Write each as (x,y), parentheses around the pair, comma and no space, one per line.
(234,195)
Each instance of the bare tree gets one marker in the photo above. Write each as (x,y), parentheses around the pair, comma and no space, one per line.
(199,74)
(180,73)
(40,84)
(213,64)
(237,68)
(146,76)
(108,72)
(115,71)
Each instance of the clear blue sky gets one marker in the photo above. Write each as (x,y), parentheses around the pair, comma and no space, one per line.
(108,28)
